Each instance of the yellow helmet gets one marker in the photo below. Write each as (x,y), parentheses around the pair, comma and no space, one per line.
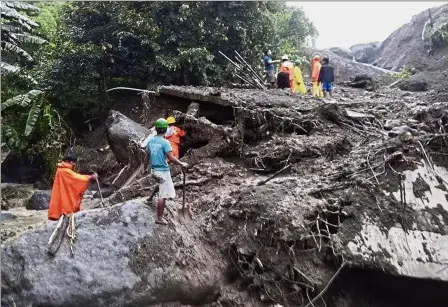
(171,120)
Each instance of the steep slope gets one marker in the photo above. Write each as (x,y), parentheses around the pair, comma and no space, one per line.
(409,45)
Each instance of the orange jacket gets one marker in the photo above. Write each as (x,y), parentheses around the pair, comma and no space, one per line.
(68,190)
(315,69)
(173,135)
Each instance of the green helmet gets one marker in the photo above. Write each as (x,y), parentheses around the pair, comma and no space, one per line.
(161,123)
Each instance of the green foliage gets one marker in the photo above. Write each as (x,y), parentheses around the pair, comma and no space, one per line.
(293,30)
(404,74)
(27,117)
(93,46)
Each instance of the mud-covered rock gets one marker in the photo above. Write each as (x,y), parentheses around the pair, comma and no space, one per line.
(343,53)
(365,53)
(39,201)
(414,84)
(123,132)
(122,258)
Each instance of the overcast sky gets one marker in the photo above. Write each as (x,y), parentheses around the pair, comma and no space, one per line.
(343,24)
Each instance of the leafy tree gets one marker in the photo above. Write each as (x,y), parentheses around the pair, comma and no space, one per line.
(293,30)
(28,121)
(107,44)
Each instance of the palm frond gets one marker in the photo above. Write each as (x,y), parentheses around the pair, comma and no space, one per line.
(10,28)
(13,14)
(21,100)
(17,50)
(33,115)
(21,6)
(29,39)
(9,69)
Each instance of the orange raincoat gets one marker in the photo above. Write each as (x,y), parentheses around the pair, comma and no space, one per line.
(315,70)
(68,190)
(173,135)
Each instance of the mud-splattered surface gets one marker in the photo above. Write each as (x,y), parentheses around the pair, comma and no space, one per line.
(366,187)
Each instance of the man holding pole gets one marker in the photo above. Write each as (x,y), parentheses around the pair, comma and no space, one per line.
(269,67)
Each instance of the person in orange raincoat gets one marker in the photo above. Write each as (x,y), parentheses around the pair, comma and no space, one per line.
(173,135)
(315,71)
(68,189)
(288,67)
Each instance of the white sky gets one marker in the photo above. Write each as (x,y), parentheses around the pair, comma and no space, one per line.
(343,24)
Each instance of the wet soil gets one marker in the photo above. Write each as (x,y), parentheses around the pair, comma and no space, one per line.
(284,240)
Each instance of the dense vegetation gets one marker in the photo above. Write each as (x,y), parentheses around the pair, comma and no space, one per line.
(58,59)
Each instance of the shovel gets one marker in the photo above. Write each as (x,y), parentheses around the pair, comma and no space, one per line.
(184,213)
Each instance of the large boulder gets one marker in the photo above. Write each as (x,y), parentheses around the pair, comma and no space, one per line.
(123,132)
(416,83)
(121,258)
(342,52)
(39,201)
(365,53)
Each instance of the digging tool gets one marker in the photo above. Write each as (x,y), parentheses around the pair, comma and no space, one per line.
(185,211)
(103,205)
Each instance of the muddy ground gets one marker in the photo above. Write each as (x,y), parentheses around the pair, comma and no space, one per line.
(287,240)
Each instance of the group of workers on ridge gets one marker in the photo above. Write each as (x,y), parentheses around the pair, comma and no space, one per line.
(69,186)
(290,75)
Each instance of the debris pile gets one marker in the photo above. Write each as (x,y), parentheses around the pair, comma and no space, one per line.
(288,192)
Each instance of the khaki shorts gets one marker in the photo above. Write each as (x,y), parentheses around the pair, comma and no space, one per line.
(166,186)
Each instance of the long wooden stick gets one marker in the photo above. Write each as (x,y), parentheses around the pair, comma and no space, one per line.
(275,174)
(250,67)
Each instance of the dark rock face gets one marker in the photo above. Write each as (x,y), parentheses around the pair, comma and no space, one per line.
(121,132)
(18,169)
(122,258)
(365,53)
(39,201)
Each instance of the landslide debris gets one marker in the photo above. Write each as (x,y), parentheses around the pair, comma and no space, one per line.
(349,200)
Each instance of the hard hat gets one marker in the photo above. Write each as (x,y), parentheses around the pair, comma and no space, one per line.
(171,120)
(161,123)
(285,57)
(317,57)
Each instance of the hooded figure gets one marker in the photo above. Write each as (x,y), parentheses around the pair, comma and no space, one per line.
(315,71)
(299,86)
(288,67)
(68,189)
